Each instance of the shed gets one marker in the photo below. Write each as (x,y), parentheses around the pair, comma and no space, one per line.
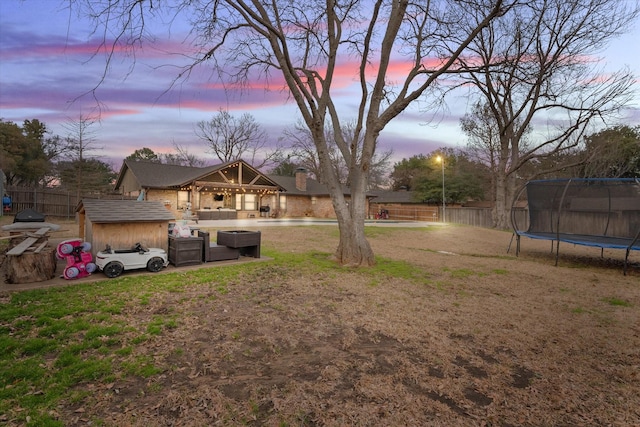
(122,223)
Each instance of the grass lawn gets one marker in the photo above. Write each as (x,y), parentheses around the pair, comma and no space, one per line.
(446,329)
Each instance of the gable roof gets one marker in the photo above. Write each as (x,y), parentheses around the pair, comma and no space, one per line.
(314,188)
(111,211)
(160,175)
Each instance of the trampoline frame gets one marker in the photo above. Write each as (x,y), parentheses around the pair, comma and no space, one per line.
(586,238)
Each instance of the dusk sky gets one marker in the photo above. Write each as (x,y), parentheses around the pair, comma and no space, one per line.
(47,72)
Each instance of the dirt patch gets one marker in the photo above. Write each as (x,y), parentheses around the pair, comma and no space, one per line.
(475,337)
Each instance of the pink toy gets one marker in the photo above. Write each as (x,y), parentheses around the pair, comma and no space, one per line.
(79,259)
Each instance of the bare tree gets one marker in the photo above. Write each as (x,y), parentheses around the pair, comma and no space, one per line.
(307,44)
(231,138)
(182,156)
(299,141)
(81,137)
(80,144)
(483,144)
(538,66)
(303,151)
(380,174)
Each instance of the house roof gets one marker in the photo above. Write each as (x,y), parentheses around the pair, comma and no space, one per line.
(385,196)
(110,211)
(314,188)
(159,175)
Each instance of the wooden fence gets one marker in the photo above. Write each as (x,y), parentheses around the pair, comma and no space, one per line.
(477,217)
(406,212)
(49,202)
(56,203)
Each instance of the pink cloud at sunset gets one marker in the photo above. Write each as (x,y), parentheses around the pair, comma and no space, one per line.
(52,68)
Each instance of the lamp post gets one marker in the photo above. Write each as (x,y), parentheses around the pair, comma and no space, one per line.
(440,160)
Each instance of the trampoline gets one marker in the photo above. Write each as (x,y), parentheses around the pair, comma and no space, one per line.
(598,212)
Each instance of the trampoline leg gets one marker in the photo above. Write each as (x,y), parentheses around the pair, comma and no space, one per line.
(557,250)
(510,242)
(626,258)
(517,244)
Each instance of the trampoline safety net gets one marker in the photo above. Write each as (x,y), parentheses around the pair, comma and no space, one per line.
(597,212)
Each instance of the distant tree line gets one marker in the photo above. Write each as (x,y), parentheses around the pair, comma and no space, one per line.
(470,173)
(31,156)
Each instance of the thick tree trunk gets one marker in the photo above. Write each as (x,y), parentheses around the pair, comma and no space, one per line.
(353,248)
(31,266)
(505,187)
(499,208)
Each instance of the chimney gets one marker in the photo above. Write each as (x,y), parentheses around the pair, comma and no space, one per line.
(301,179)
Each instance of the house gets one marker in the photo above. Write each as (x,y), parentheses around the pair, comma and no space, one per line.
(122,223)
(305,196)
(227,191)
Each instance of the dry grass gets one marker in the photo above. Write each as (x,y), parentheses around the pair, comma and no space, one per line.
(447,330)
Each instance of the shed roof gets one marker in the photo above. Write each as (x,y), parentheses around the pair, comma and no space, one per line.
(111,211)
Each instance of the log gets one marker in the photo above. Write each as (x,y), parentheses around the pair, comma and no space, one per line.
(32,266)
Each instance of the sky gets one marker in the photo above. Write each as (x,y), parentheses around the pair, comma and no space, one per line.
(49,67)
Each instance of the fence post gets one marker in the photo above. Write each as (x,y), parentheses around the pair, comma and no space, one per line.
(2,193)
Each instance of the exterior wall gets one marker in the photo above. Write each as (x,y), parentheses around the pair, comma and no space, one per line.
(206,201)
(270,200)
(199,201)
(248,214)
(322,208)
(316,206)
(168,197)
(88,234)
(129,185)
(298,206)
(124,235)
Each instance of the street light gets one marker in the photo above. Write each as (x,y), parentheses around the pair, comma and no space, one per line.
(440,160)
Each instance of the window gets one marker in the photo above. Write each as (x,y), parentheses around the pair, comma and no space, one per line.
(250,202)
(183,199)
(246,202)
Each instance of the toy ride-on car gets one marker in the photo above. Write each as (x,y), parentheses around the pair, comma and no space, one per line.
(79,260)
(114,262)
